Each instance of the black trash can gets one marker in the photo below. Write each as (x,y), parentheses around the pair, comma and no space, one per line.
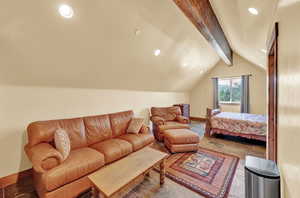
(262,178)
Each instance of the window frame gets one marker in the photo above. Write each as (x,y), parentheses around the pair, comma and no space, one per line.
(229,102)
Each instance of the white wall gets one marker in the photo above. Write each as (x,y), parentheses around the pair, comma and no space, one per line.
(21,105)
(289,98)
(202,95)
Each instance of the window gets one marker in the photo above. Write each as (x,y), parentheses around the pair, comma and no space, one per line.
(229,90)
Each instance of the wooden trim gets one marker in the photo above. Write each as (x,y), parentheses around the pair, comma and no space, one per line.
(272,140)
(272,40)
(225,77)
(199,119)
(14,178)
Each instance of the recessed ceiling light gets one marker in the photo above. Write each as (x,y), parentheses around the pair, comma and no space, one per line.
(157,52)
(137,32)
(253,11)
(184,64)
(263,50)
(66,11)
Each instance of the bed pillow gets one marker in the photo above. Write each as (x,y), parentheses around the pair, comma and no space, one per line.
(135,125)
(62,142)
(215,112)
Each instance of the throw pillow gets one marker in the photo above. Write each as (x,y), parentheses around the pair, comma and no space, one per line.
(62,142)
(135,125)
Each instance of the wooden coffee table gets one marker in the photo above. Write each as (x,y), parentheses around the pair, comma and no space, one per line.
(112,178)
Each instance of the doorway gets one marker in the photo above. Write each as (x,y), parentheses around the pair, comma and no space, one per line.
(272,95)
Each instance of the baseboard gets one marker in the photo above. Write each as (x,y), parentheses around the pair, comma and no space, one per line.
(199,119)
(14,178)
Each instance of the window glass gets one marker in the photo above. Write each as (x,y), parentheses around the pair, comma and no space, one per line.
(229,90)
(224,90)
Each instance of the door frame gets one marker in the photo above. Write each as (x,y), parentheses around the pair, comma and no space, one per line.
(272,138)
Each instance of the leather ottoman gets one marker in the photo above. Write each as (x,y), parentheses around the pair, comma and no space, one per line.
(181,140)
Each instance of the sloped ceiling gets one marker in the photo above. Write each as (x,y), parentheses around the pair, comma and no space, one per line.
(246,33)
(98,47)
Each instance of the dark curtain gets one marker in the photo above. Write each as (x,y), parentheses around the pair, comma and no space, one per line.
(215,93)
(245,105)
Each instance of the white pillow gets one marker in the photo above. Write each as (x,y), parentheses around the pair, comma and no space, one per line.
(135,125)
(62,142)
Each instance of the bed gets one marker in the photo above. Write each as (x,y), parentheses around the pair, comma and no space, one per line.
(251,126)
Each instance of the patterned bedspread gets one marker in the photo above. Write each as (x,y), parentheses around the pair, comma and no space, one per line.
(240,123)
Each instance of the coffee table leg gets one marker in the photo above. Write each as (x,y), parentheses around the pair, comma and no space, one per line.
(162,172)
(148,174)
(95,192)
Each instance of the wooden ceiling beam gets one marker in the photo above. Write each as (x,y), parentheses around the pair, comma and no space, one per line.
(201,14)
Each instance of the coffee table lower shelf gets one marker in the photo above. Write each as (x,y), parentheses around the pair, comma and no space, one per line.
(113,178)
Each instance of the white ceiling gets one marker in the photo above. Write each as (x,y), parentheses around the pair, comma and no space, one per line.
(98,47)
(246,33)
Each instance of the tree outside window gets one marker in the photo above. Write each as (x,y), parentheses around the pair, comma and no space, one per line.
(230,90)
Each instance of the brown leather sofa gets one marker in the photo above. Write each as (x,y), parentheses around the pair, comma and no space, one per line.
(95,142)
(164,118)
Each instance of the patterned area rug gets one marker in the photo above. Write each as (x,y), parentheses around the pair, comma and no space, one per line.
(206,172)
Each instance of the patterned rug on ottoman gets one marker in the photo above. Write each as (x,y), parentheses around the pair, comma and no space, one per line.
(206,172)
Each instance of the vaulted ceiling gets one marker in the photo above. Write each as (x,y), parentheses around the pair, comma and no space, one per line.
(111,44)
(247,33)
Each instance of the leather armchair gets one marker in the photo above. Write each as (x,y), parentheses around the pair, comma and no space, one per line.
(157,120)
(182,119)
(164,118)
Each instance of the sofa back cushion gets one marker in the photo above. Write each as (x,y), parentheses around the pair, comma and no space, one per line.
(120,122)
(43,131)
(167,113)
(97,128)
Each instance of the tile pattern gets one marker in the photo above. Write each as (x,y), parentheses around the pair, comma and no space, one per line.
(149,186)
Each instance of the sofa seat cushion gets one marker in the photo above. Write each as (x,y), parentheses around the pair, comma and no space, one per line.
(113,149)
(138,141)
(79,163)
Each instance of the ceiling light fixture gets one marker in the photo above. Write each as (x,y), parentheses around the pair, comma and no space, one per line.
(137,32)
(66,11)
(253,11)
(157,52)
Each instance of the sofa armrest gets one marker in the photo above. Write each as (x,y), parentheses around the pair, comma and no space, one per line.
(157,120)
(40,153)
(182,119)
(145,129)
